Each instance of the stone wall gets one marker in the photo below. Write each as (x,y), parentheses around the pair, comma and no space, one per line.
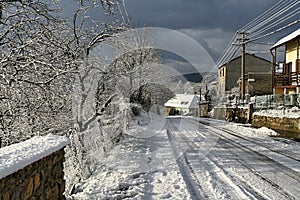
(203,110)
(220,113)
(240,114)
(285,126)
(42,179)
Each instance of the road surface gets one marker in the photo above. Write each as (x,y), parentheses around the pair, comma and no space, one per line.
(220,163)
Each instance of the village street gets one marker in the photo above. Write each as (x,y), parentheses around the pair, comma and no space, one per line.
(177,100)
(196,158)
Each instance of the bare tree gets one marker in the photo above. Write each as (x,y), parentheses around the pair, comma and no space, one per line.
(43,58)
(39,58)
(138,61)
(34,70)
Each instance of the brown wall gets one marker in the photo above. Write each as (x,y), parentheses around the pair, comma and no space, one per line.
(42,179)
(167,110)
(262,84)
(285,125)
(226,113)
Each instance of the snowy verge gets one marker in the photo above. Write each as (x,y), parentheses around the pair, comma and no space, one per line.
(266,132)
(19,155)
(137,168)
(242,129)
(249,131)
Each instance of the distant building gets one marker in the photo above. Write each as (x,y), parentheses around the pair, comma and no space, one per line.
(286,74)
(182,104)
(230,74)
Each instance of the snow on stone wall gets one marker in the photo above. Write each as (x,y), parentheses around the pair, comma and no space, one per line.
(33,169)
(17,156)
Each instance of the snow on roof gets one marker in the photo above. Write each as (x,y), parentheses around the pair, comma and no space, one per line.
(286,39)
(183,101)
(17,156)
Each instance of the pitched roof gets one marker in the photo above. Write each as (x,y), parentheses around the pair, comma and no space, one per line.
(286,39)
(240,57)
(182,101)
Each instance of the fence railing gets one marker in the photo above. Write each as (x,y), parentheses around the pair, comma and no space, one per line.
(290,79)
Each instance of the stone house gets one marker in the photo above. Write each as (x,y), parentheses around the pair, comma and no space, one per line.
(256,70)
(286,74)
(182,104)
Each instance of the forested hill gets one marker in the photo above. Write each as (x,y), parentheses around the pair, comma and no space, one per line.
(193,77)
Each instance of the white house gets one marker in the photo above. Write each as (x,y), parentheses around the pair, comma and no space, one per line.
(182,104)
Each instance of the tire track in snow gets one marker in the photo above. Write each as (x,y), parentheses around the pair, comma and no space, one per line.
(192,185)
(255,181)
(292,171)
(285,153)
(282,152)
(218,185)
(283,169)
(223,185)
(248,183)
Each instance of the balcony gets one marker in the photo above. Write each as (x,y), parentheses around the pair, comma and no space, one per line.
(287,80)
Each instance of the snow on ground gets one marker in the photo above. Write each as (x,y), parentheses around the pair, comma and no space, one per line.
(265,131)
(261,137)
(243,129)
(141,166)
(248,131)
(246,165)
(17,156)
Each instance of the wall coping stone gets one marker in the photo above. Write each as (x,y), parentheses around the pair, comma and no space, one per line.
(17,156)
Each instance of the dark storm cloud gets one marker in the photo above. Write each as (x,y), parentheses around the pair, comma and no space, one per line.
(212,23)
(204,14)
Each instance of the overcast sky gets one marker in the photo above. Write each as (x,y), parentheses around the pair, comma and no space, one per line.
(212,23)
(228,15)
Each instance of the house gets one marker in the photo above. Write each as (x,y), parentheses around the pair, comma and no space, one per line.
(230,74)
(286,74)
(182,104)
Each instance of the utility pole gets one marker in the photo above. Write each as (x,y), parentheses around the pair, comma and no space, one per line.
(243,40)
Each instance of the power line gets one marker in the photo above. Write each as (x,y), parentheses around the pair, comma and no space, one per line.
(262,43)
(277,14)
(265,15)
(273,32)
(277,22)
(273,16)
(258,52)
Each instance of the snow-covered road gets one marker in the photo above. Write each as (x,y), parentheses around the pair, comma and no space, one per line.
(192,158)
(224,161)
